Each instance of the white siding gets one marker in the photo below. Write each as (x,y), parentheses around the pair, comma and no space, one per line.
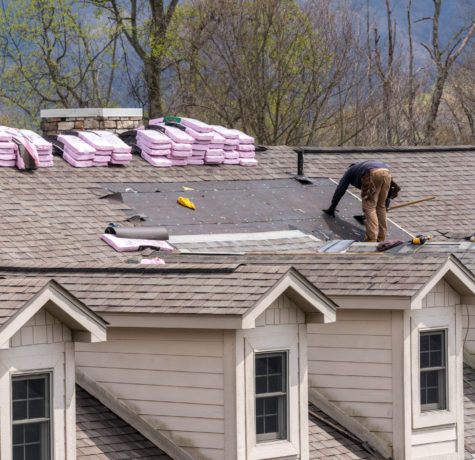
(442,295)
(173,379)
(282,311)
(437,441)
(350,363)
(42,328)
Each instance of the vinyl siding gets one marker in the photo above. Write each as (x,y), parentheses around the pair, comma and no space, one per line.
(42,328)
(350,363)
(282,311)
(173,379)
(442,295)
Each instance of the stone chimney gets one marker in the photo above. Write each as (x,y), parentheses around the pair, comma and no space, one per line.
(53,121)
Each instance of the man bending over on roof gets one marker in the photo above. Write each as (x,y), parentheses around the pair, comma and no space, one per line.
(375,182)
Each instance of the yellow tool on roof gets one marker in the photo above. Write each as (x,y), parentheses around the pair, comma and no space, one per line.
(186,202)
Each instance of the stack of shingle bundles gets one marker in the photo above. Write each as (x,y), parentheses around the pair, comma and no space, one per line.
(121,153)
(155,147)
(231,142)
(102,146)
(215,152)
(77,152)
(43,147)
(7,150)
(181,144)
(246,149)
(201,139)
(26,153)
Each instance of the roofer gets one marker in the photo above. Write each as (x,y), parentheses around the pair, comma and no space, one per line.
(375,182)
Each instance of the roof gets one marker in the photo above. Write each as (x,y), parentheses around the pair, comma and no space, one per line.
(15,292)
(56,214)
(231,284)
(102,435)
(329,440)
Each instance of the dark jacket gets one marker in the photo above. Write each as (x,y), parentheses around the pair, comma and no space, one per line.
(353,176)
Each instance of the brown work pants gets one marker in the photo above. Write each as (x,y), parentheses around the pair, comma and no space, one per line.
(375,206)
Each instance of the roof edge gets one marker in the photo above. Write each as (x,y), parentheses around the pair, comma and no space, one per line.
(59,302)
(459,276)
(312,298)
(386,149)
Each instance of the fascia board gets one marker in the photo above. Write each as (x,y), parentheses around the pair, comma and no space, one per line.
(461,279)
(174,321)
(314,301)
(372,302)
(74,314)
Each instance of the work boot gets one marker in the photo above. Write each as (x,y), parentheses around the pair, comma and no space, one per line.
(367,240)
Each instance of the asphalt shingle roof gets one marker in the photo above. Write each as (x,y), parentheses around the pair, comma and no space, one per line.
(218,284)
(102,435)
(331,441)
(15,292)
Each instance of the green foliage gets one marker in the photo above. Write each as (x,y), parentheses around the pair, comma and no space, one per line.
(53,56)
(255,65)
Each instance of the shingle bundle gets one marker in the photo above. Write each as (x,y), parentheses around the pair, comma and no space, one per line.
(17,150)
(103,148)
(121,152)
(7,150)
(76,151)
(155,147)
(43,147)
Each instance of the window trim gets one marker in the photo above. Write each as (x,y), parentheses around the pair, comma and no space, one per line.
(276,338)
(57,358)
(441,318)
(283,417)
(442,382)
(48,374)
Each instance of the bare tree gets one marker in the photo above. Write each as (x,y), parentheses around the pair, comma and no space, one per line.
(145,24)
(443,58)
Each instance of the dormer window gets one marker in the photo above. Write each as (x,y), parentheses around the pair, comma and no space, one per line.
(31,417)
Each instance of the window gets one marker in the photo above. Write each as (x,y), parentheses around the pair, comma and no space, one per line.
(271,396)
(433,370)
(31,417)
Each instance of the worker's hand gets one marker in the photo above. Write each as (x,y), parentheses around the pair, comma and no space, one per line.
(330,211)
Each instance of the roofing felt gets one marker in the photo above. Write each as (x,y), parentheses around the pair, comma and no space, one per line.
(247,206)
(233,284)
(102,435)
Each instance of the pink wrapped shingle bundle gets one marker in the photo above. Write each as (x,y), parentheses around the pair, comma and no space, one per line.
(121,152)
(214,156)
(77,152)
(246,149)
(8,150)
(43,147)
(157,161)
(231,138)
(176,134)
(217,142)
(8,153)
(154,144)
(25,152)
(102,146)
